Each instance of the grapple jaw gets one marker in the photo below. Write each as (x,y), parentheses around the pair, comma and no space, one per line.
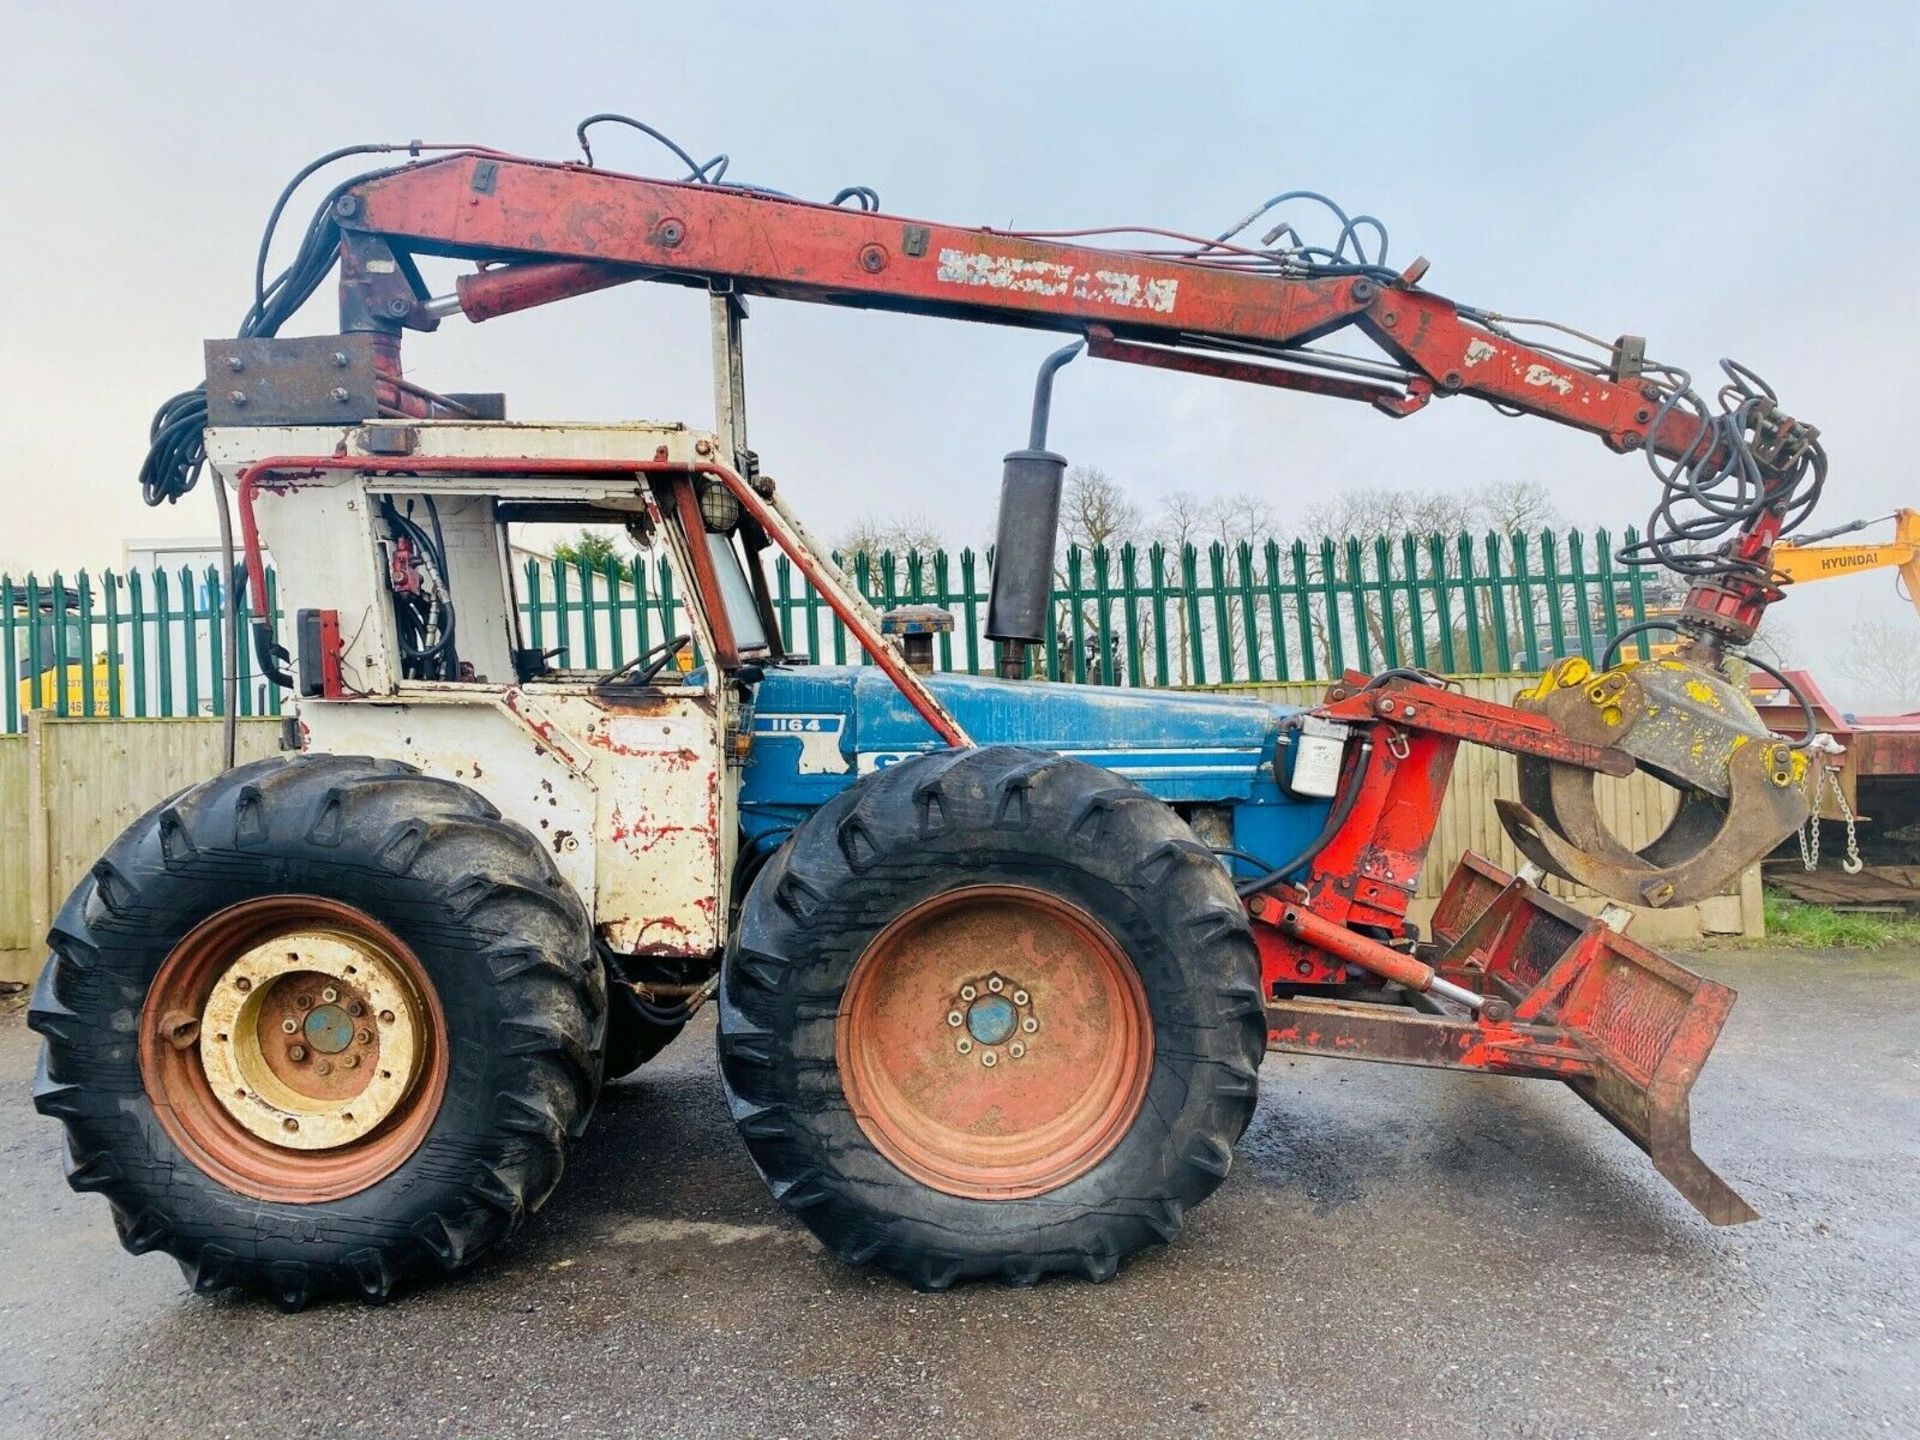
(1565,997)
(1742,789)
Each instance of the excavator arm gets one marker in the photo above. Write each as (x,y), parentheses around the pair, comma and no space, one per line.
(1803,560)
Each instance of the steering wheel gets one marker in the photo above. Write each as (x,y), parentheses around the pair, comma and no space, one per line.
(642,669)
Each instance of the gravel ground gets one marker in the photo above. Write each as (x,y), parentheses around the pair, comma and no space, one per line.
(1396,1253)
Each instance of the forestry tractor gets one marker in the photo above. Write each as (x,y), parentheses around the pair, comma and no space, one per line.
(994,959)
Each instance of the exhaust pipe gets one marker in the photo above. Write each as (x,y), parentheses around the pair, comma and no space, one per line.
(1019,609)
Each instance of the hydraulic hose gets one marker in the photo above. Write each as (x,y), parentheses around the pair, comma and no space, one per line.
(1336,819)
(230,682)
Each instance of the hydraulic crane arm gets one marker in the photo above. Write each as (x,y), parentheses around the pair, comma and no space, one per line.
(543,231)
(1733,479)
(550,231)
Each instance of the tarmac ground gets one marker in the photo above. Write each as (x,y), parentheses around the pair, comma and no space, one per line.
(1396,1252)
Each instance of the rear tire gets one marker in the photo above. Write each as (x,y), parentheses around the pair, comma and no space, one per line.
(1001,901)
(344,884)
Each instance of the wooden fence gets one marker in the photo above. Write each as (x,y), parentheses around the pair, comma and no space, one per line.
(70,786)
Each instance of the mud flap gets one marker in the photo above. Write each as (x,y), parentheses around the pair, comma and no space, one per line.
(1571,999)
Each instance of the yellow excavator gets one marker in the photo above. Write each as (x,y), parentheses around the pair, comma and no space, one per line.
(1806,559)
(39,673)
(1801,560)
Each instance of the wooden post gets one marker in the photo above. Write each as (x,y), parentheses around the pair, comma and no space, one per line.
(39,831)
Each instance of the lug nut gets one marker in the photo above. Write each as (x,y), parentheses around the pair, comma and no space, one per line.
(1016,1050)
(963,1045)
(329,994)
(290,1025)
(989,1059)
(325,1067)
(1029,1024)
(305,1002)
(356,1009)
(967,992)
(296,1053)
(954,1018)
(363,1035)
(352,1062)
(1020,997)
(996,984)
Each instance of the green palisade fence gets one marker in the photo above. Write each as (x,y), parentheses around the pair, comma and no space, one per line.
(151,643)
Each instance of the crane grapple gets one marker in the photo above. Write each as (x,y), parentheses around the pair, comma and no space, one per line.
(1739,789)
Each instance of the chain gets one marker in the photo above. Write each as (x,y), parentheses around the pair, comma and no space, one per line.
(1852,864)
(1810,831)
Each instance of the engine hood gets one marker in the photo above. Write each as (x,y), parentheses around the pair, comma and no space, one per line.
(817,728)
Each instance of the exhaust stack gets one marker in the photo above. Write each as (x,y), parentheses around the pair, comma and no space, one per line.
(1019,609)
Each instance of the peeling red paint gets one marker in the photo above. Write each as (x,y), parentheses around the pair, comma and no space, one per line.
(543,728)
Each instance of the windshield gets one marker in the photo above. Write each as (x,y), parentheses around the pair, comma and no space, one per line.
(748,632)
(76,648)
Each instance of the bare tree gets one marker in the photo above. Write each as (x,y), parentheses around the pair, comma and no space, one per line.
(1183,519)
(870,540)
(1388,510)
(1882,659)
(1096,510)
(1096,513)
(1510,505)
(1180,520)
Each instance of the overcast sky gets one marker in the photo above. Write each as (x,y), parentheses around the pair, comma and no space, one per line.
(1726,179)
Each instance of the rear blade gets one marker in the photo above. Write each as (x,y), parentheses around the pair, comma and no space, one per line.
(1645,1023)
(1573,1000)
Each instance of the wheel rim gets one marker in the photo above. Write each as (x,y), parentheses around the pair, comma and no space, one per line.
(994,1042)
(294,1049)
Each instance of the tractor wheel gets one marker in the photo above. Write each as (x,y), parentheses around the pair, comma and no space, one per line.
(320,1024)
(992,1013)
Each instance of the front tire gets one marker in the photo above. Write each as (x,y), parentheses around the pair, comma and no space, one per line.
(992,1013)
(320,1024)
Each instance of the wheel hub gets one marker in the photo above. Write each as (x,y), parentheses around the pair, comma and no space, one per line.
(329,1030)
(993,1012)
(293,1048)
(943,1063)
(991,1021)
(311,1039)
